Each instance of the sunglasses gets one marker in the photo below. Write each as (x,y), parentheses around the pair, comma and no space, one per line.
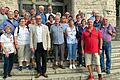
(90,34)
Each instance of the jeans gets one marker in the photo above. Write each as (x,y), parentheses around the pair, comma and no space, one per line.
(8,63)
(80,53)
(72,48)
(106,48)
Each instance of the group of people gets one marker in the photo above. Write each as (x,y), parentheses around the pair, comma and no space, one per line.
(32,35)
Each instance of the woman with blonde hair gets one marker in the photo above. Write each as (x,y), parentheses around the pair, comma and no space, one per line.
(7,44)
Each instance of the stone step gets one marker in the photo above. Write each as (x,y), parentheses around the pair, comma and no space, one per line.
(116,50)
(51,71)
(115,44)
(71,76)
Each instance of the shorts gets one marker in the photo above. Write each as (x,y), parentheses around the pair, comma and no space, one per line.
(92,57)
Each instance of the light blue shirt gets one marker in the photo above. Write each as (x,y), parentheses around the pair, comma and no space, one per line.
(92,18)
(57,33)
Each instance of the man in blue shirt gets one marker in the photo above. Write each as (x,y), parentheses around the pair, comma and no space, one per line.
(93,16)
(42,14)
(57,36)
(10,22)
(97,23)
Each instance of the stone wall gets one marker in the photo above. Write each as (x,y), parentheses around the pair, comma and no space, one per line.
(12,4)
(106,8)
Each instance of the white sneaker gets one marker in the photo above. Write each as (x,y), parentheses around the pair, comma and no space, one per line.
(70,66)
(74,67)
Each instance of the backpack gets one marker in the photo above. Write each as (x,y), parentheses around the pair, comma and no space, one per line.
(19,29)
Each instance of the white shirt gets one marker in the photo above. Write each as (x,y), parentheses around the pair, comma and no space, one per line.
(48,14)
(71,35)
(23,37)
(39,33)
(8,42)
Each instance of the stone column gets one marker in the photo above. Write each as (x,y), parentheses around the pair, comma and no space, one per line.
(73,7)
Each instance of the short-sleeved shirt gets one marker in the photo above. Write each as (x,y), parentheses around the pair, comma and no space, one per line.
(23,37)
(97,24)
(71,35)
(2,18)
(91,44)
(92,18)
(57,33)
(105,35)
(8,42)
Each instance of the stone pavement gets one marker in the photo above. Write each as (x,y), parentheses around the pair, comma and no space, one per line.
(68,74)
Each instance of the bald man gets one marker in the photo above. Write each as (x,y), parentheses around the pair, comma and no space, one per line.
(57,36)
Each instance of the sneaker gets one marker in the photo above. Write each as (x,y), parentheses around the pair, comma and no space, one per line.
(29,67)
(90,77)
(100,78)
(9,75)
(61,66)
(55,67)
(70,66)
(103,70)
(80,65)
(20,68)
(4,77)
(108,71)
(74,67)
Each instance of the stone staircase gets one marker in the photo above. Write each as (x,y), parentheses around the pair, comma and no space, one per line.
(68,74)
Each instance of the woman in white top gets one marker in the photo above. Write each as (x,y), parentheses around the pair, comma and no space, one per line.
(71,43)
(22,42)
(7,44)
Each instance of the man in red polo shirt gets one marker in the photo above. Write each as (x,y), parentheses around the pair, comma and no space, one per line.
(91,44)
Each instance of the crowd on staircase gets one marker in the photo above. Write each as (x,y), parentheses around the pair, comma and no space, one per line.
(35,35)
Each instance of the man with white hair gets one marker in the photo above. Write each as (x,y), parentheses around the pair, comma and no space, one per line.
(50,12)
(42,14)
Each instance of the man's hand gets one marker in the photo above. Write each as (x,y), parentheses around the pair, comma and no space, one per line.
(33,50)
(100,52)
(16,46)
(15,52)
(110,32)
(6,53)
(83,51)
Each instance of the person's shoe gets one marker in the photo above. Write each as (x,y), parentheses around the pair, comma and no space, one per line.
(9,75)
(108,71)
(29,67)
(62,67)
(55,66)
(20,68)
(74,67)
(37,75)
(103,70)
(80,65)
(70,66)
(99,78)
(91,77)
(45,75)
(4,77)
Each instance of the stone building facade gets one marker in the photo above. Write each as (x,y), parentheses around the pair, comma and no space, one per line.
(106,8)
(12,4)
